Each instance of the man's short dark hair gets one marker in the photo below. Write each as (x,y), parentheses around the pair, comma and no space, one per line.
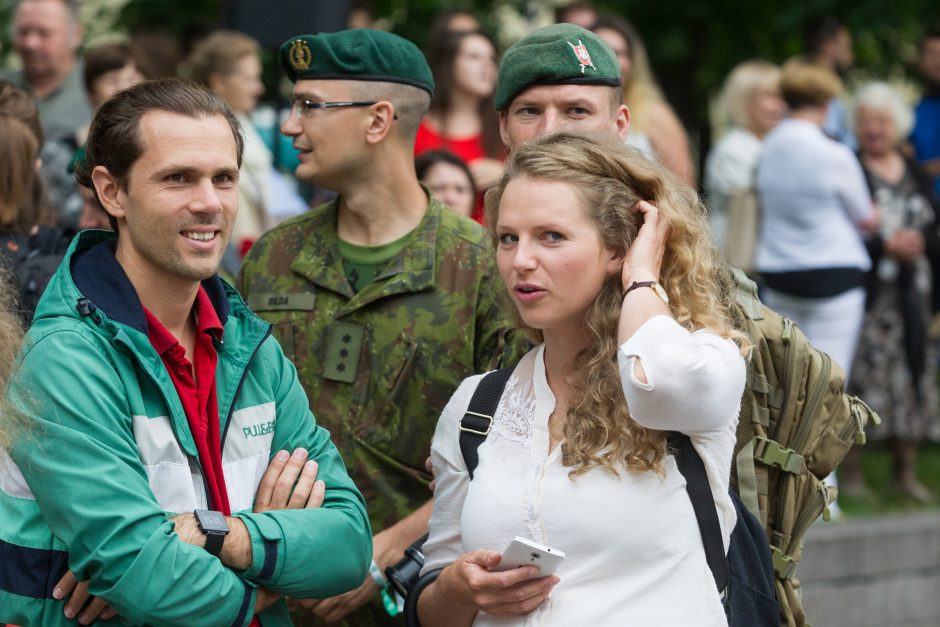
(114,137)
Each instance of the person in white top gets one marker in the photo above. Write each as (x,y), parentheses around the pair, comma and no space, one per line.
(815,212)
(751,103)
(608,267)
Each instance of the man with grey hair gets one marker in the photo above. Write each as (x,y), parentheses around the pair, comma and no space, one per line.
(46,36)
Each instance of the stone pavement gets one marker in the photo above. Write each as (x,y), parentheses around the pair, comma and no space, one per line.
(873,572)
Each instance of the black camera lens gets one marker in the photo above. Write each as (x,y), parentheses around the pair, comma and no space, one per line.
(405,573)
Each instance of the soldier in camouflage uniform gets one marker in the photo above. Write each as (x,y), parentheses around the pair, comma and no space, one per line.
(384,299)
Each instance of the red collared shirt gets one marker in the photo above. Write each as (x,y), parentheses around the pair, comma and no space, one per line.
(197,393)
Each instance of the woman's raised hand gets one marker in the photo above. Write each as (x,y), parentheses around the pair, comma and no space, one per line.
(470,583)
(644,258)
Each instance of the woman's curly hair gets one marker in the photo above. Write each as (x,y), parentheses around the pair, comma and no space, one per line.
(611,178)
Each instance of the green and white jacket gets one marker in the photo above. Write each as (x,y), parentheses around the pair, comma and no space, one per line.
(108,457)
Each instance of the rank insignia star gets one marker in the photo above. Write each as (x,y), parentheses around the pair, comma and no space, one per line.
(347,339)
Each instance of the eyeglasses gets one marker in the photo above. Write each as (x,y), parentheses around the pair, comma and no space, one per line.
(305,108)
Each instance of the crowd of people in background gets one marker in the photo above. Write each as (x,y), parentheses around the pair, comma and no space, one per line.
(830,199)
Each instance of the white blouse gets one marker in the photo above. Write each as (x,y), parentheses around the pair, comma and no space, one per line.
(633,549)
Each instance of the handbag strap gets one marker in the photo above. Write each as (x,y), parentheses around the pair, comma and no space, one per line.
(703,503)
(478,420)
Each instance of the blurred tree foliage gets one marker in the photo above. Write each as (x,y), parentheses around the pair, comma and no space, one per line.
(692,45)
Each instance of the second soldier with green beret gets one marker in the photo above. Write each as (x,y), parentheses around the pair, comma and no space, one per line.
(560,77)
(383,299)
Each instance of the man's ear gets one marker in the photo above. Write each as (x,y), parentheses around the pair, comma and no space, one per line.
(622,122)
(109,190)
(77,34)
(503,130)
(380,124)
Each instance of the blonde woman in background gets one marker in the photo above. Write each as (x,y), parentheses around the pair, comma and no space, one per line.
(751,101)
(229,64)
(655,128)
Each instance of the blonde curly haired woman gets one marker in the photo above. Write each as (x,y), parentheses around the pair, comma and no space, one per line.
(585,230)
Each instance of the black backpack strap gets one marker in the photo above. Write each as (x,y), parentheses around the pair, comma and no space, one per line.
(700,493)
(477,422)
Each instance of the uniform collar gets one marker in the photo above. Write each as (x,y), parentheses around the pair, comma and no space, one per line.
(411,270)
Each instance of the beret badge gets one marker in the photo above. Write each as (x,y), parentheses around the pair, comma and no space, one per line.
(300,56)
(583,55)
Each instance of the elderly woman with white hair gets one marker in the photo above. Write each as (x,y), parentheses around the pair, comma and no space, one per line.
(895,364)
(751,101)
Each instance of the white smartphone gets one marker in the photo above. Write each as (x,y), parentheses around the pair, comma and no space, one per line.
(524,552)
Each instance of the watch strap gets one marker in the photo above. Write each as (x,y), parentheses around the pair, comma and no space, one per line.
(635,285)
(214,541)
(214,526)
(653,285)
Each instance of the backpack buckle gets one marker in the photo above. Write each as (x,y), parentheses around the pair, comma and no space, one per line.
(775,454)
(470,424)
(784,565)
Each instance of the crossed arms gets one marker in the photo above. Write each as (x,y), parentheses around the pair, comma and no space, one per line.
(84,469)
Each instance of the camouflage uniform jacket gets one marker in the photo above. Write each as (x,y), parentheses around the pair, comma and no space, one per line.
(380,365)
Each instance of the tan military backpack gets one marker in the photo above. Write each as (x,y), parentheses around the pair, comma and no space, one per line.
(796,425)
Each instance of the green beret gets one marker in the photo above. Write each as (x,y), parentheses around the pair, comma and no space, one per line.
(359,55)
(555,55)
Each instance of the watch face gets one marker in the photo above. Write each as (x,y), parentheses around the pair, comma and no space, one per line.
(211,520)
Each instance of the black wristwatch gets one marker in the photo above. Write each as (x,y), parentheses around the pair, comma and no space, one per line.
(214,526)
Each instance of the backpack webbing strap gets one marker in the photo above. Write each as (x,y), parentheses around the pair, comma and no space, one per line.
(703,503)
(477,422)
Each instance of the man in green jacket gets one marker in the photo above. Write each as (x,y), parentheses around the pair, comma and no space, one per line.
(384,299)
(161,412)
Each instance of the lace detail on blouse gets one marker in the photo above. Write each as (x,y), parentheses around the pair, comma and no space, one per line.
(514,416)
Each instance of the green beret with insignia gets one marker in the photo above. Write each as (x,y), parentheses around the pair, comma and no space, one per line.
(358,54)
(560,54)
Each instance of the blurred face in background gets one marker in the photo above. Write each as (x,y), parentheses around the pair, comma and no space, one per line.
(765,110)
(475,67)
(93,214)
(930,59)
(451,185)
(46,38)
(114,81)
(842,54)
(876,130)
(620,46)
(241,87)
